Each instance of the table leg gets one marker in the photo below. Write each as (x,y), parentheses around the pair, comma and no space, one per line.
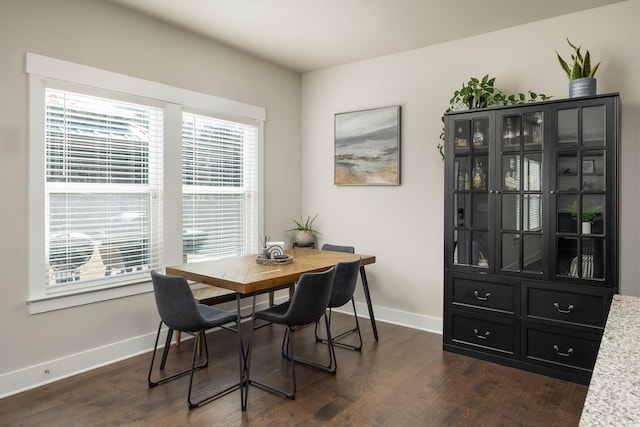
(246,356)
(367,295)
(242,361)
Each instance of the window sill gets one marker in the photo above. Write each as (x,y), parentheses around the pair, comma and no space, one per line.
(59,302)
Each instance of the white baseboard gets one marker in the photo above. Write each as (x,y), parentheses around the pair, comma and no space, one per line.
(64,367)
(397,317)
(57,369)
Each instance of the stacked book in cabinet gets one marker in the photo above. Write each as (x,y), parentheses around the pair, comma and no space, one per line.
(531,233)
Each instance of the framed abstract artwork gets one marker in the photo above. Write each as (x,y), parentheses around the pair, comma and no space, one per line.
(367,147)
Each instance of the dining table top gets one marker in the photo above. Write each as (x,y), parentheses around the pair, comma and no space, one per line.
(243,274)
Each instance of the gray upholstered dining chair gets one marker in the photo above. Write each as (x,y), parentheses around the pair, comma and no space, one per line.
(179,312)
(308,305)
(344,286)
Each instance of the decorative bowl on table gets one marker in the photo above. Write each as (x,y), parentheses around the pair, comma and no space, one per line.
(277,259)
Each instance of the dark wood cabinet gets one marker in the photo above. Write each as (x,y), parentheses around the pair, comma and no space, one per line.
(531,232)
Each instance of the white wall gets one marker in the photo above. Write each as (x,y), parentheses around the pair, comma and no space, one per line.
(103,35)
(403,226)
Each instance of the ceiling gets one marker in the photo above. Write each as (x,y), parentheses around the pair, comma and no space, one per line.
(306,35)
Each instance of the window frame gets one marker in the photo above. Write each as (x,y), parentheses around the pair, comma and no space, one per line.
(44,72)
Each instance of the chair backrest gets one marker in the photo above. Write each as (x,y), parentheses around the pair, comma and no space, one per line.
(337,248)
(311,298)
(175,303)
(344,282)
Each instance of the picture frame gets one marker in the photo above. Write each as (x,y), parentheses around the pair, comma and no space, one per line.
(588,167)
(367,147)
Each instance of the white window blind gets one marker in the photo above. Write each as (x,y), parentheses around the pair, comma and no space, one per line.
(103,165)
(219,188)
(532,202)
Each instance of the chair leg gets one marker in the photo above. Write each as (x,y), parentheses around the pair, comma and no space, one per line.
(153,357)
(201,338)
(289,395)
(345,333)
(331,367)
(153,383)
(165,353)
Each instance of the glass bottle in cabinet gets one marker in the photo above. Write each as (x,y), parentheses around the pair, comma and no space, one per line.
(462,179)
(479,140)
(511,132)
(533,128)
(462,141)
(479,176)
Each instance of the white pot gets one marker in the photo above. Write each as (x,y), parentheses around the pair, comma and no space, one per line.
(586,228)
(304,238)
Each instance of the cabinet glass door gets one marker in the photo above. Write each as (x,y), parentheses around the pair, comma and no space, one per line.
(580,189)
(519,192)
(471,246)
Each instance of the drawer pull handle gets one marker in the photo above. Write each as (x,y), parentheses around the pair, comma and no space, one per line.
(567,354)
(567,311)
(484,298)
(478,335)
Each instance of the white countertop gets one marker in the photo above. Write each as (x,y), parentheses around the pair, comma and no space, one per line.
(613,398)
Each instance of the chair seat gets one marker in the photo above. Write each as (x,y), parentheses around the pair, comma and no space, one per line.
(214,317)
(274,314)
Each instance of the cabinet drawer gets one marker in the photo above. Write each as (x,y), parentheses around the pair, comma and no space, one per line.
(487,295)
(574,307)
(497,335)
(561,350)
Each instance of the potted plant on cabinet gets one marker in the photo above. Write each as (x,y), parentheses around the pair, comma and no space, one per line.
(481,93)
(305,233)
(581,74)
(588,215)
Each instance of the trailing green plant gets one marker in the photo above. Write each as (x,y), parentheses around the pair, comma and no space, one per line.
(588,214)
(476,93)
(580,65)
(305,224)
(480,93)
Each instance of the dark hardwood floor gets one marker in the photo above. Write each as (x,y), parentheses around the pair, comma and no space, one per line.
(405,379)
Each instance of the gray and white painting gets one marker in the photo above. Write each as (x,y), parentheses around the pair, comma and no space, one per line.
(367,148)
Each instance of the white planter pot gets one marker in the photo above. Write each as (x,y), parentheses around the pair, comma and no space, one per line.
(304,238)
(586,228)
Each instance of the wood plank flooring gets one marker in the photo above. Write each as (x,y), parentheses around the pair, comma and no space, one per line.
(405,379)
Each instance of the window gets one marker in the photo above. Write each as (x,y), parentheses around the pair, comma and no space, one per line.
(219,188)
(103,175)
(103,206)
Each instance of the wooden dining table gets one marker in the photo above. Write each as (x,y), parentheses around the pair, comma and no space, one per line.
(246,276)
